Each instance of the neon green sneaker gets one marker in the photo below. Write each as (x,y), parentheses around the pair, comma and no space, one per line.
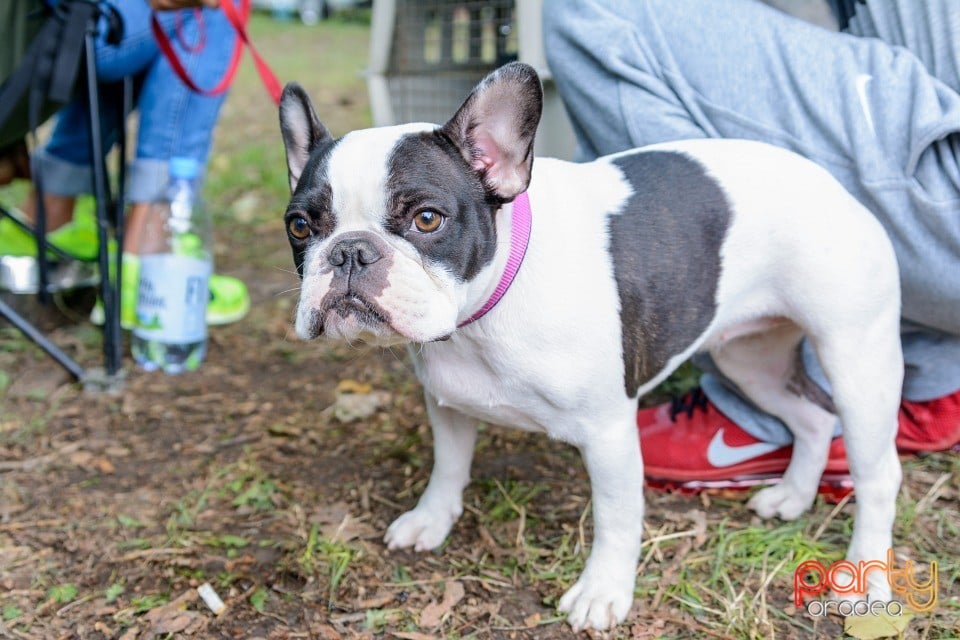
(19,271)
(77,241)
(14,241)
(229,300)
(79,236)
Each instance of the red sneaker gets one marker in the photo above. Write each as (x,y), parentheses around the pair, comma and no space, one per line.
(688,445)
(929,426)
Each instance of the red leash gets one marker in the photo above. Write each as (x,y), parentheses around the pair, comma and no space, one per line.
(238,18)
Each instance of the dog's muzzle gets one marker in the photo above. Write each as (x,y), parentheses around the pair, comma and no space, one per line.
(359,263)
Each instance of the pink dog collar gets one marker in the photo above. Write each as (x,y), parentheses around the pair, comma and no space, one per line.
(519,239)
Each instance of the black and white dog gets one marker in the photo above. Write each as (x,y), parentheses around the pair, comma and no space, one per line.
(549,300)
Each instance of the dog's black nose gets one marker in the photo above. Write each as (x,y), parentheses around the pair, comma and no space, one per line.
(353,252)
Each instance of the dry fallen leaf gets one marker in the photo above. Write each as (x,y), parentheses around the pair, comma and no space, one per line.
(873,627)
(352,386)
(80,458)
(173,616)
(348,529)
(326,632)
(336,523)
(330,513)
(103,465)
(174,623)
(376,601)
(433,613)
(648,630)
(357,401)
(282,430)
(412,635)
(131,633)
(350,407)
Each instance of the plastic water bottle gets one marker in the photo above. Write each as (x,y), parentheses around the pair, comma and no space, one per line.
(175,267)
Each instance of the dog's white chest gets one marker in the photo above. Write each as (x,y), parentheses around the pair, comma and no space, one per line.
(483,386)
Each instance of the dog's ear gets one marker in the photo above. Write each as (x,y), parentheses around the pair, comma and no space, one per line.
(495,126)
(302,130)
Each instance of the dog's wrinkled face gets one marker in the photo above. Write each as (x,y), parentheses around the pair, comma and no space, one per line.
(390,226)
(380,249)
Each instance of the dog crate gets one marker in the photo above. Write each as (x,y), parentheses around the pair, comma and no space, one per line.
(427,55)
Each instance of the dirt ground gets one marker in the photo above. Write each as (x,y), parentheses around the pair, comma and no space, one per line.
(272,472)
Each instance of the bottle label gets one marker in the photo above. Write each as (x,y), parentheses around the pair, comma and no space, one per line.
(172,300)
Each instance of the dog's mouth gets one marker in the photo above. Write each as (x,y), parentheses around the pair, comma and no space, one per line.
(351,317)
(352,304)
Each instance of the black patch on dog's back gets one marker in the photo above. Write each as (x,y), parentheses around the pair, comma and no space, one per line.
(665,246)
(426,171)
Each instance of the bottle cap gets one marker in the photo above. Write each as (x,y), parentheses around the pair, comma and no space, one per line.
(182,167)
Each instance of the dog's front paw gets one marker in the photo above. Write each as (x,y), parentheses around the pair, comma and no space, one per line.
(782,500)
(596,602)
(423,529)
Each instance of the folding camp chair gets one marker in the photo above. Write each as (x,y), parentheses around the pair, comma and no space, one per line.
(60,58)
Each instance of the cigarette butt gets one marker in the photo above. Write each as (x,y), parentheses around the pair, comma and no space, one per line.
(211,598)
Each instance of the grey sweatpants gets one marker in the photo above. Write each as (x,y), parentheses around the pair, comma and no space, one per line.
(879,107)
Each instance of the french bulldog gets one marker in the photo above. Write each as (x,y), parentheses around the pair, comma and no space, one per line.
(549,295)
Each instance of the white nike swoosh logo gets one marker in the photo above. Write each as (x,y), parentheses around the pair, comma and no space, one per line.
(720,454)
(862,80)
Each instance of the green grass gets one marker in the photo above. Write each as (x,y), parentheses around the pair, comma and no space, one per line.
(508,500)
(62,593)
(333,51)
(331,558)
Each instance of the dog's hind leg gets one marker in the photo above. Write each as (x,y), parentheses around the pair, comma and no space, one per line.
(865,369)
(767,369)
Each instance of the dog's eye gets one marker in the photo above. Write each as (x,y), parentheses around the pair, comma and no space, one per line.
(298,228)
(427,221)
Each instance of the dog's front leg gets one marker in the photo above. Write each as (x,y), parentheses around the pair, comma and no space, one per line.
(602,597)
(426,526)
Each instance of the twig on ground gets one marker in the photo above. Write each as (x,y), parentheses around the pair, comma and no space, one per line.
(833,513)
(931,496)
